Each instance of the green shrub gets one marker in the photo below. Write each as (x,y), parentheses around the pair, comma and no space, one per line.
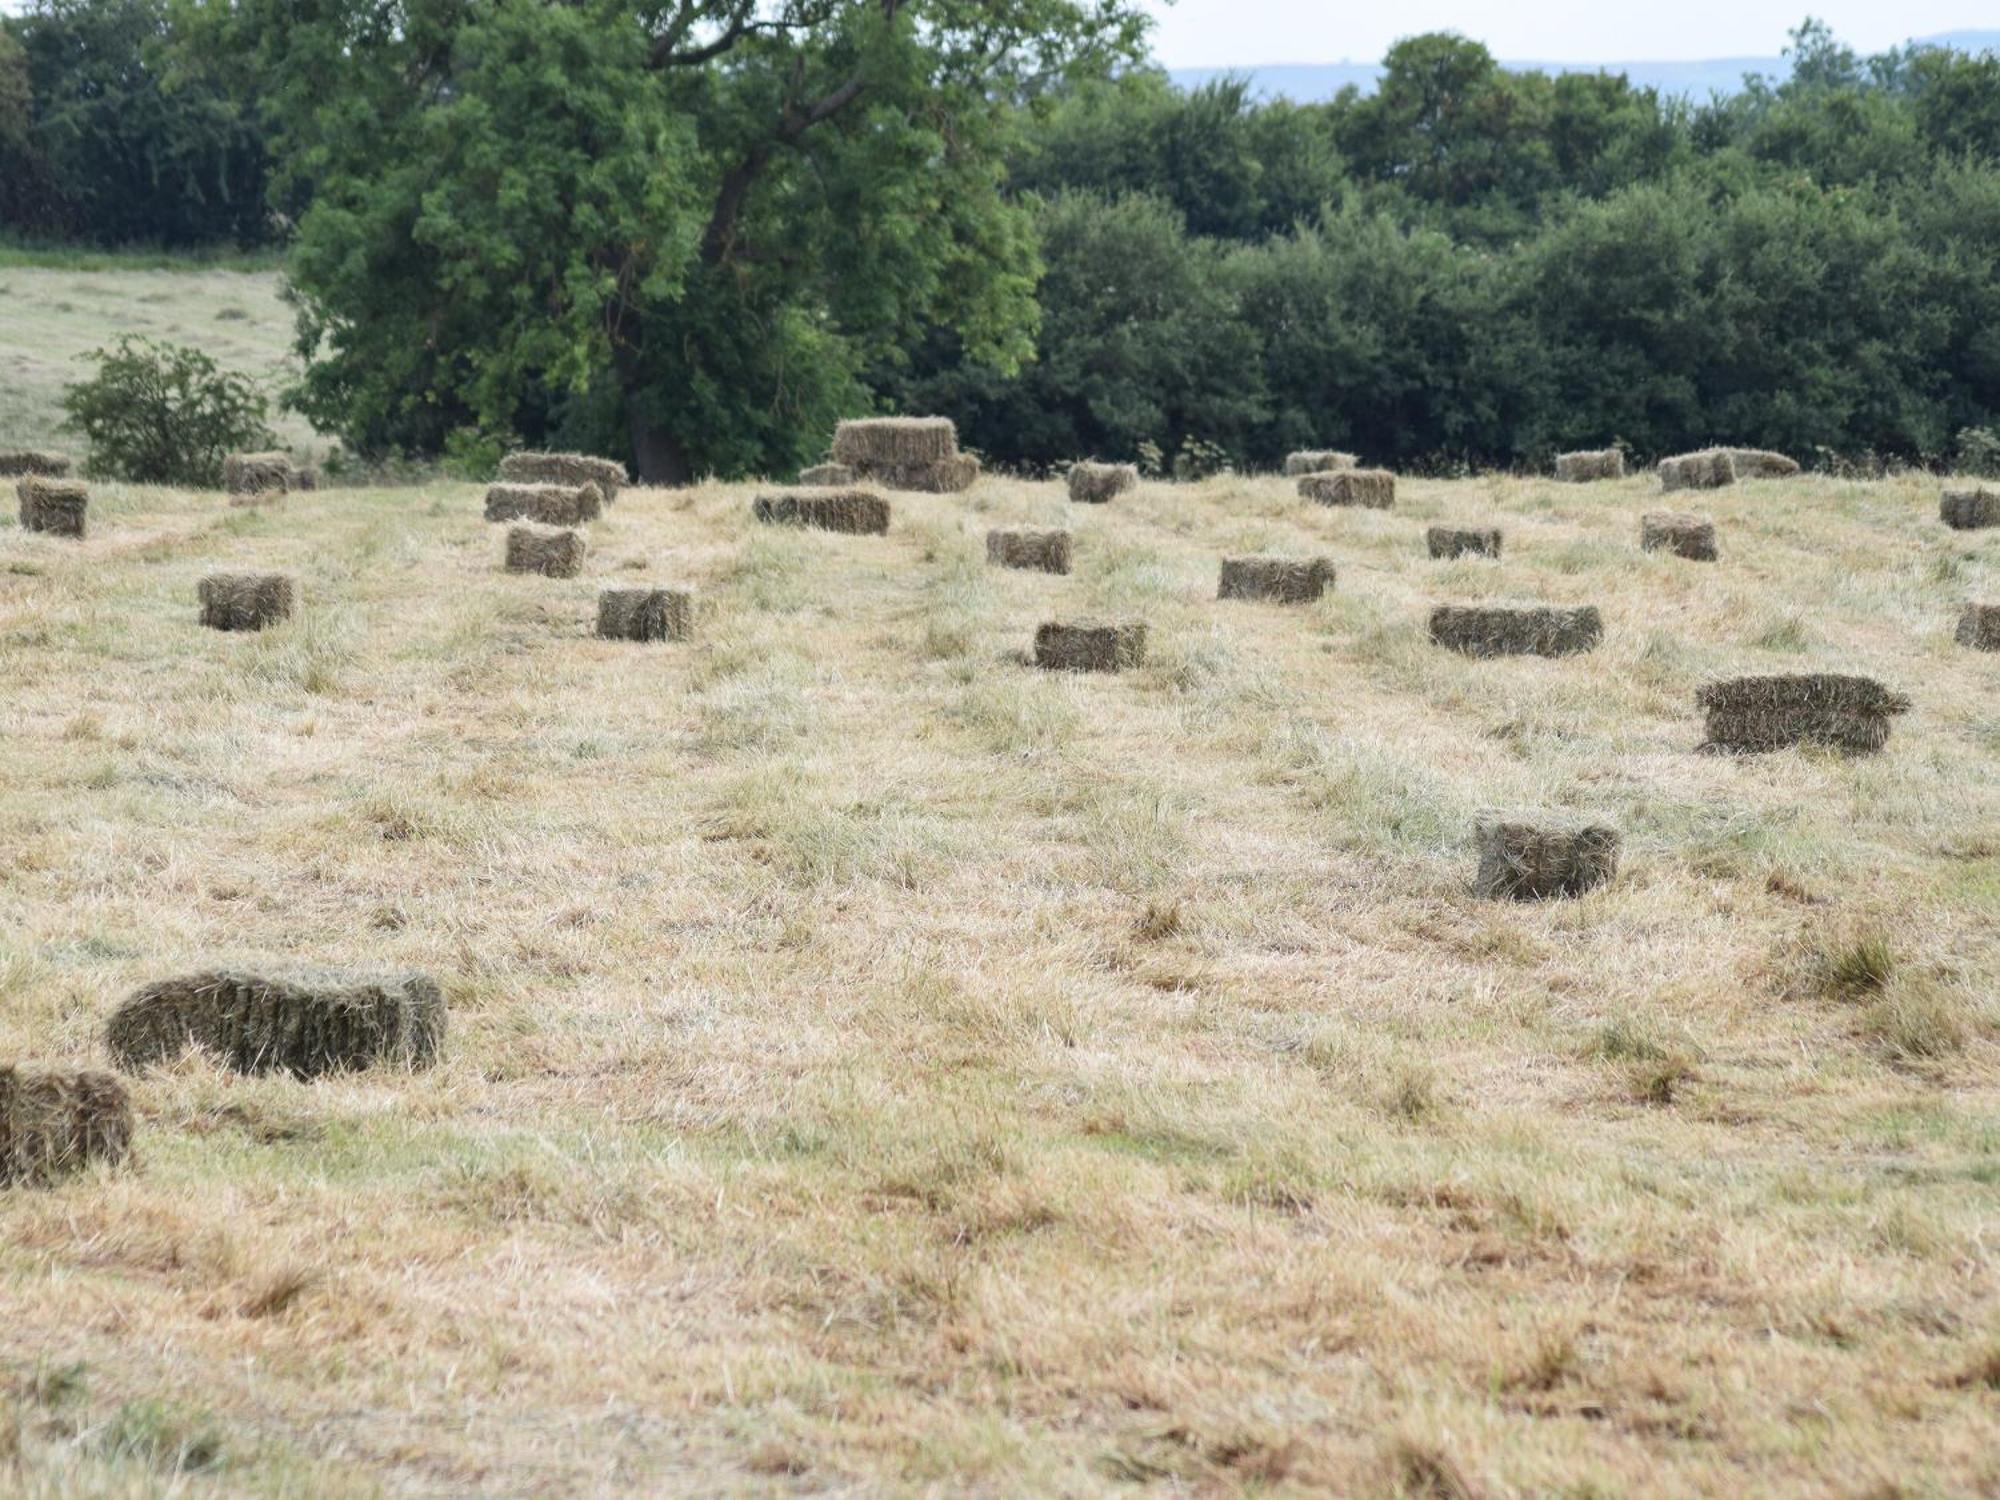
(161,413)
(1979,452)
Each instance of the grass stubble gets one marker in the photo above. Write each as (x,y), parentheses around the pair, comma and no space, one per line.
(878,1065)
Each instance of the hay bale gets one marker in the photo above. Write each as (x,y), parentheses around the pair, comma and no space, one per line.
(552,551)
(570,470)
(831,476)
(1516,629)
(1710,469)
(1038,551)
(1318,461)
(1463,541)
(1970,510)
(15,462)
(1281,580)
(1374,488)
(305,477)
(1588,464)
(305,1022)
(645,614)
(1771,713)
(1692,537)
(257,473)
(1090,646)
(856,512)
(1095,483)
(873,443)
(1523,859)
(548,504)
(1979,627)
(52,1124)
(56,506)
(947,476)
(1761,463)
(246,601)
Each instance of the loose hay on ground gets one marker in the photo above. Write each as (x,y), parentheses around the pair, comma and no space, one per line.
(1095,483)
(52,1124)
(306,1022)
(56,506)
(1535,859)
(1037,551)
(1463,541)
(570,470)
(1710,469)
(1090,646)
(246,601)
(1970,509)
(1280,580)
(1772,713)
(553,552)
(1516,629)
(645,614)
(1318,461)
(1588,464)
(1373,488)
(548,504)
(1692,537)
(856,512)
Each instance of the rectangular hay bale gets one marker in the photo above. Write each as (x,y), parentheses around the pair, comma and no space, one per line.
(246,601)
(1710,469)
(1523,859)
(570,470)
(829,476)
(1589,464)
(1278,580)
(1094,483)
(58,507)
(1373,488)
(1757,714)
(1692,537)
(548,504)
(1761,463)
(1463,541)
(868,443)
(1318,461)
(1089,646)
(15,462)
(1516,629)
(553,552)
(855,512)
(1971,509)
(257,473)
(306,1022)
(1037,551)
(645,614)
(56,1123)
(1979,627)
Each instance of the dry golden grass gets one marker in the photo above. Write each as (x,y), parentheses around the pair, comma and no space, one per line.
(877,1066)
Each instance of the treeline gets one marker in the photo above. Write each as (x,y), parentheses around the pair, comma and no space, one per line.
(694,245)
(1477,267)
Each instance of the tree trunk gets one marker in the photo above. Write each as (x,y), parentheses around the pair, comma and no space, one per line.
(656,457)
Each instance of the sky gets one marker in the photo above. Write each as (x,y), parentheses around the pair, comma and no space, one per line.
(1233,33)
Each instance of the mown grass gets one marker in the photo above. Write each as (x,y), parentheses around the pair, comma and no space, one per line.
(878,1066)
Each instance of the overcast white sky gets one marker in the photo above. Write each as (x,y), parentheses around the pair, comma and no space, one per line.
(1226,33)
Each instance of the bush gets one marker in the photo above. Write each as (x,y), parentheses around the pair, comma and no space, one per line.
(164,414)
(1979,452)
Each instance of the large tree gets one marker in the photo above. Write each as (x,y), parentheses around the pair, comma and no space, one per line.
(676,228)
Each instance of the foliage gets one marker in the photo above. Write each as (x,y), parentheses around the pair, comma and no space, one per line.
(130,130)
(158,413)
(685,231)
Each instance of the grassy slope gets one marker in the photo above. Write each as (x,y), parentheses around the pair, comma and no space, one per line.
(877,1063)
(60,308)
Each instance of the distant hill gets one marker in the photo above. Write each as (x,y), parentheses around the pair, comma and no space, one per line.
(1310,82)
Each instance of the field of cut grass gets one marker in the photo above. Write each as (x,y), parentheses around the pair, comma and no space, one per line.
(56,308)
(877,1066)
